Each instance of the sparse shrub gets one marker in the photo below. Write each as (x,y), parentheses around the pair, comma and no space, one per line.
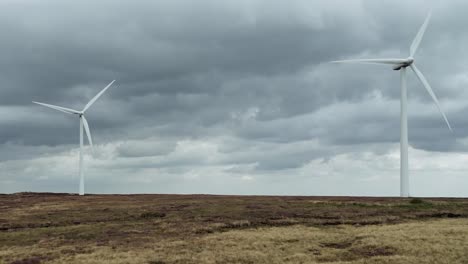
(338,245)
(238,224)
(417,201)
(152,215)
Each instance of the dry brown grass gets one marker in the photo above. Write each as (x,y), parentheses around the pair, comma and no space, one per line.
(231,229)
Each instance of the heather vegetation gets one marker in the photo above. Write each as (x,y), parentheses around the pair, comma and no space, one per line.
(62,228)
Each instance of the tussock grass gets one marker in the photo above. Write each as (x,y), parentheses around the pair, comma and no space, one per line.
(435,241)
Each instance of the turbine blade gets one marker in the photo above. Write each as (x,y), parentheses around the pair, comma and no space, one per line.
(373,61)
(59,108)
(431,93)
(97,96)
(88,133)
(419,36)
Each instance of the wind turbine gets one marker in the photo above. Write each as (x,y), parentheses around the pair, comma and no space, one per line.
(83,123)
(401,65)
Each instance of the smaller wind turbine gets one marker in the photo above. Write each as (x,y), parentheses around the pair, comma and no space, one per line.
(83,123)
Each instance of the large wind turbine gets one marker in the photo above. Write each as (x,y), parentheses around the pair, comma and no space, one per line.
(401,65)
(83,123)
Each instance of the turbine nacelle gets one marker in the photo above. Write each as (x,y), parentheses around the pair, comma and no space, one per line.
(405,64)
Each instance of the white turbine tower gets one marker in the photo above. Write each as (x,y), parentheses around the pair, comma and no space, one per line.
(401,65)
(83,123)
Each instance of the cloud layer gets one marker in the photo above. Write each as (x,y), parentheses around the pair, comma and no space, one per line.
(231,96)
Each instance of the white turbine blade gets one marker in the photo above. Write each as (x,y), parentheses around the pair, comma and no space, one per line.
(97,96)
(59,108)
(419,36)
(88,133)
(373,61)
(429,90)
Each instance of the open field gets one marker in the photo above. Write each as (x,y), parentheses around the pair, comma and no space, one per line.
(156,229)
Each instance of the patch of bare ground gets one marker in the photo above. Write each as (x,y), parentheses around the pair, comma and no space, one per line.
(62,228)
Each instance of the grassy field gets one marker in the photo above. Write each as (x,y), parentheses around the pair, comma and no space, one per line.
(157,229)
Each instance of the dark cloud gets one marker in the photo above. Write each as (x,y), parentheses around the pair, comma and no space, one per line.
(241,90)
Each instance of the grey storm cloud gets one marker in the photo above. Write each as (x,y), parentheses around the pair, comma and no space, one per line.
(233,89)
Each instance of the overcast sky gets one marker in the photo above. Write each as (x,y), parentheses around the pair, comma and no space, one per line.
(231,97)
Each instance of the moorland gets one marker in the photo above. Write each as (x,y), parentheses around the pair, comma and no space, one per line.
(157,229)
